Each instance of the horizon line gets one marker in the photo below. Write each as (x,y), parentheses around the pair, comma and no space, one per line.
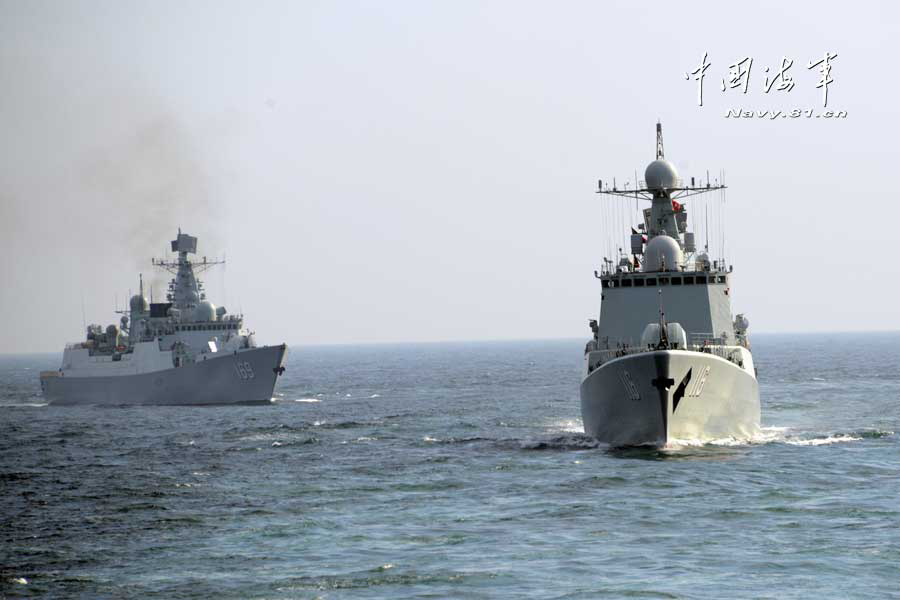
(499,340)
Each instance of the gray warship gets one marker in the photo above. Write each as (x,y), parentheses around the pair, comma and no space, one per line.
(667,361)
(185,351)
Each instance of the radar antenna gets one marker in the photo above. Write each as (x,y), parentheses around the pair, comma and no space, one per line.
(185,244)
(660,152)
(644,192)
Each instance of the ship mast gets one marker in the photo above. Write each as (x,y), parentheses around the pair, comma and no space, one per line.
(667,215)
(643,191)
(660,153)
(185,289)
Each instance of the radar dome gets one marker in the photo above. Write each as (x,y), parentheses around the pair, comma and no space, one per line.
(702,262)
(139,304)
(205,311)
(661,175)
(662,254)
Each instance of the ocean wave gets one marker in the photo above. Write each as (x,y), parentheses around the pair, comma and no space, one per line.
(834,439)
(574,441)
(296,442)
(373,578)
(455,440)
(282,430)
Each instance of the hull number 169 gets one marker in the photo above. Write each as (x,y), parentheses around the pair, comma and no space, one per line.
(244,370)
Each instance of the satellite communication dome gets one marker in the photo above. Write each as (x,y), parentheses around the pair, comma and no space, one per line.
(139,304)
(662,254)
(205,311)
(661,175)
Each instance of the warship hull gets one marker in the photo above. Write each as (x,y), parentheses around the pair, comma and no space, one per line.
(244,377)
(652,398)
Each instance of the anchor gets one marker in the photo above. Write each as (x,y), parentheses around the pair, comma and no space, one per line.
(662,384)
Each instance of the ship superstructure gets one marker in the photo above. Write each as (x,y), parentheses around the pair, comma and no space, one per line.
(182,351)
(667,359)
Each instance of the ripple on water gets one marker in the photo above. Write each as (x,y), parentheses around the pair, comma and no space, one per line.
(468,476)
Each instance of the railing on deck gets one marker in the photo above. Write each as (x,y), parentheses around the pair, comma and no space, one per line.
(730,352)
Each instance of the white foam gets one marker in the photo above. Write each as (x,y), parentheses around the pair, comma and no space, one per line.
(832,439)
(375,396)
(569,426)
(766,435)
(428,438)
(677,443)
(306,400)
(19,580)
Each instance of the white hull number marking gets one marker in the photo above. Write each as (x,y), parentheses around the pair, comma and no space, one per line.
(244,370)
(630,389)
(697,388)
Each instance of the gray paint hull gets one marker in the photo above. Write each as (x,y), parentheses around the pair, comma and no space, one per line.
(223,379)
(650,398)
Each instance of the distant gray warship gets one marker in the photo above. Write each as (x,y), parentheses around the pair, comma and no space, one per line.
(182,352)
(667,361)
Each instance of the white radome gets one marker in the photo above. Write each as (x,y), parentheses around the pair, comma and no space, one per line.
(661,175)
(662,254)
(205,311)
(139,304)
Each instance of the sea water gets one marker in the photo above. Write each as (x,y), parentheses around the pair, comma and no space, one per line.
(456,470)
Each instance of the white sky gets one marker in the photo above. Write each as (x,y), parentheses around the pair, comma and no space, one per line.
(409,171)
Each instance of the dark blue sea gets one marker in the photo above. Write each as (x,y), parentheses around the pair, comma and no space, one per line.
(455,471)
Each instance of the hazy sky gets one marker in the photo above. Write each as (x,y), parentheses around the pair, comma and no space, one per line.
(405,171)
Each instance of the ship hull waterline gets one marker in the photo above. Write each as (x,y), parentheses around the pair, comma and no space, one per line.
(244,377)
(651,398)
